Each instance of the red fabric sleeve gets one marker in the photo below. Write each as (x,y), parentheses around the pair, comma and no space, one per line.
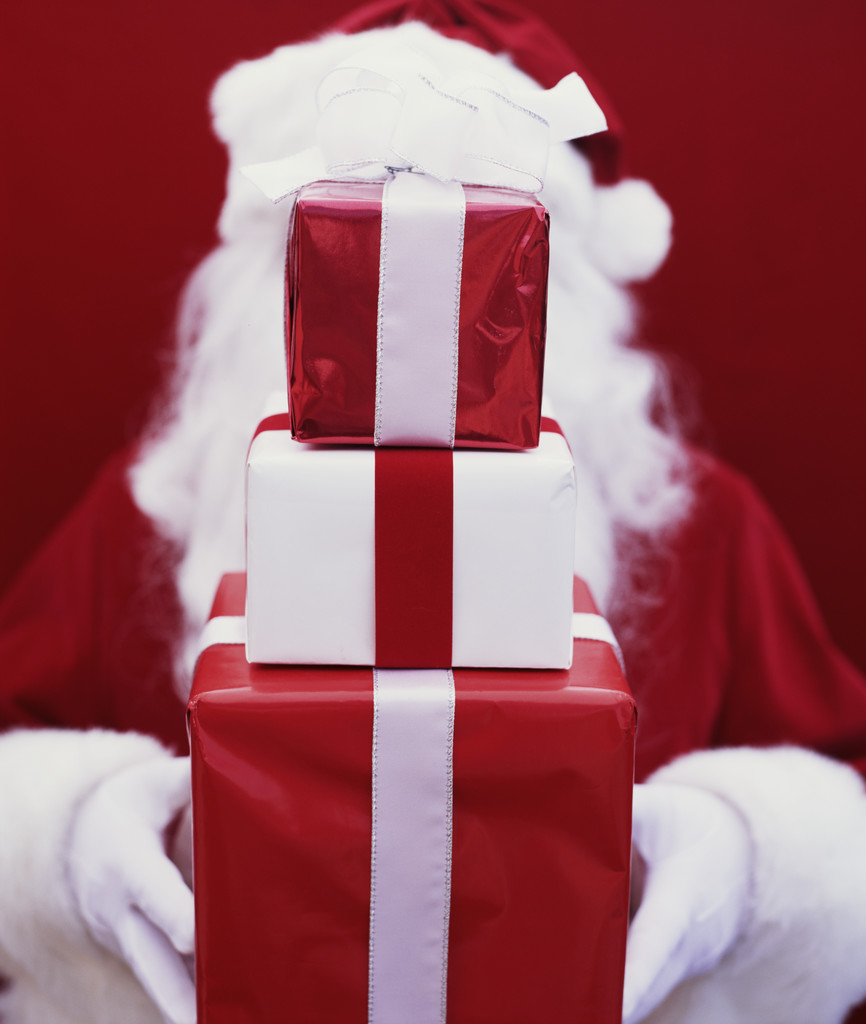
(787,680)
(87,630)
(730,648)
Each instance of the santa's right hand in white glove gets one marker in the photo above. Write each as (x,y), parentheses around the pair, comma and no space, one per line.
(696,855)
(130,894)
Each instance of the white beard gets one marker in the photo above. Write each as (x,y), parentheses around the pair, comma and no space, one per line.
(189,478)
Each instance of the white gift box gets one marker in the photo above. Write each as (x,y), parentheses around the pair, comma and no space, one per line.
(311,554)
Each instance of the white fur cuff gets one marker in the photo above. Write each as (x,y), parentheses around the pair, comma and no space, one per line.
(801,959)
(58,974)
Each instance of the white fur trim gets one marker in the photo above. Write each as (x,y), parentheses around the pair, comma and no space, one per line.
(801,958)
(58,974)
(631,231)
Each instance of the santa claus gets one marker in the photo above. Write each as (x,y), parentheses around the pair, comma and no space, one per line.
(750,830)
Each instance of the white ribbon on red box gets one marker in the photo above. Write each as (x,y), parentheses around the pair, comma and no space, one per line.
(384,111)
(410,862)
(417,328)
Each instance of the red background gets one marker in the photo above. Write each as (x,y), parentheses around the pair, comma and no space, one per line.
(744,115)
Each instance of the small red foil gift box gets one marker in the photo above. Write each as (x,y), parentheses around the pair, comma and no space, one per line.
(291,875)
(462,306)
(402,557)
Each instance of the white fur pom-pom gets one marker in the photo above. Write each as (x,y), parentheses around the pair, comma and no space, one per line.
(631,231)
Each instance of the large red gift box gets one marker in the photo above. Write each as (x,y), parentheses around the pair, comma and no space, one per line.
(333,310)
(542,783)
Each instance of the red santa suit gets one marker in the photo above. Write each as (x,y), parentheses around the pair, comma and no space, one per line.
(731,651)
(726,654)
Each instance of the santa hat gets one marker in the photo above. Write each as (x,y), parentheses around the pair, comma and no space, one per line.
(631,233)
(628,231)
(505,28)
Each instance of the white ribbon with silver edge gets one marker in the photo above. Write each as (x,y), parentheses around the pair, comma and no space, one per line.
(410,877)
(381,113)
(410,863)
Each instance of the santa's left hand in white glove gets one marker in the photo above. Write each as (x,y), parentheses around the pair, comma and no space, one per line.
(696,855)
(130,894)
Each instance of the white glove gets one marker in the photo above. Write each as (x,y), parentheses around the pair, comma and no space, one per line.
(131,896)
(697,855)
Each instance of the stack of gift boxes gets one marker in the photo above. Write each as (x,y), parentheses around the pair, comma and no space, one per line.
(411,784)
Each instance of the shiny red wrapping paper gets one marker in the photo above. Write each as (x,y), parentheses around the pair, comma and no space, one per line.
(332,306)
(281,772)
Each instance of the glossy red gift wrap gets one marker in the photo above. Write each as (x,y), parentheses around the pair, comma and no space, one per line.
(281,770)
(332,306)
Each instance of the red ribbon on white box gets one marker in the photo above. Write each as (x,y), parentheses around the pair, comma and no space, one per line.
(414,538)
(414,551)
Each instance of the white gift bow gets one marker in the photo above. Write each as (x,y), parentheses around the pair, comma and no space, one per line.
(380,111)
